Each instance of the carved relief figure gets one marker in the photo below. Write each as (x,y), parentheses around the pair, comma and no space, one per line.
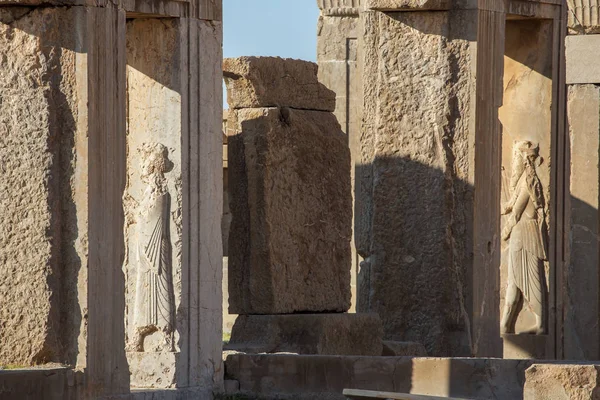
(524,233)
(154,310)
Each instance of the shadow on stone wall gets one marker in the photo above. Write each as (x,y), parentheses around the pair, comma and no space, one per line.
(413,225)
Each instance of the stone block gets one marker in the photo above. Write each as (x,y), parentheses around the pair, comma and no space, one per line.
(580,314)
(525,346)
(48,382)
(561,382)
(331,334)
(152,370)
(468,378)
(291,206)
(43,159)
(414,196)
(400,5)
(582,59)
(402,349)
(275,82)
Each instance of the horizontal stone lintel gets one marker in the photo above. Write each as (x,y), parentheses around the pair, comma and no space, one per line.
(583,59)
(527,8)
(206,9)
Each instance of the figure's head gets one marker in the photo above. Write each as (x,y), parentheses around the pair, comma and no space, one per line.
(155,160)
(525,154)
(528,150)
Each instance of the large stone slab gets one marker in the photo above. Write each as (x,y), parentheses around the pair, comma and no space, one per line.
(275,82)
(331,334)
(289,244)
(562,382)
(582,59)
(415,195)
(581,339)
(323,376)
(43,230)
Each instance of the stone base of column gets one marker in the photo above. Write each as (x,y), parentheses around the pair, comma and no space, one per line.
(326,334)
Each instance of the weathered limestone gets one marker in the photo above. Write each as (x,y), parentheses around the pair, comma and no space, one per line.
(584,16)
(39,252)
(174,180)
(415,176)
(291,204)
(433,75)
(527,157)
(401,349)
(254,82)
(562,382)
(330,334)
(66,73)
(292,246)
(580,285)
(582,59)
(338,33)
(581,315)
(322,377)
(396,5)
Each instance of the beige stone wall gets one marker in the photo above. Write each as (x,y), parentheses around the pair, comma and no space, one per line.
(42,232)
(581,311)
(581,291)
(63,118)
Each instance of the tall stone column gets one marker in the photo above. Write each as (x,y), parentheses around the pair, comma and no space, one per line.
(415,190)
(581,290)
(338,34)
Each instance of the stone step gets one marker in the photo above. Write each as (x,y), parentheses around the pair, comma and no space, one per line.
(370,394)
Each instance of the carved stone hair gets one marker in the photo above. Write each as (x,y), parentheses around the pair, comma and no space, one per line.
(522,151)
(155,158)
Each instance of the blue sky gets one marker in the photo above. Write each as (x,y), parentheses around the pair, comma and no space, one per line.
(285,28)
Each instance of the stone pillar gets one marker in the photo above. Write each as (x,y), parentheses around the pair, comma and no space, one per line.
(290,199)
(581,290)
(414,204)
(173,203)
(446,85)
(89,95)
(337,56)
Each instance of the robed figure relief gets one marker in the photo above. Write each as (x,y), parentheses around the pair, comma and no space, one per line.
(154,311)
(524,234)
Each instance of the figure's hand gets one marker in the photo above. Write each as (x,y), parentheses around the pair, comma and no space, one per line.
(506,233)
(506,209)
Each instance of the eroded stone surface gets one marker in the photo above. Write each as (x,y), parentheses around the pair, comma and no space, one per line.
(468,378)
(562,382)
(275,82)
(581,315)
(291,212)
(400,349)
(391,5)
(41,250)
(331,334)
(584,16)
(415,192)
(582,59)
